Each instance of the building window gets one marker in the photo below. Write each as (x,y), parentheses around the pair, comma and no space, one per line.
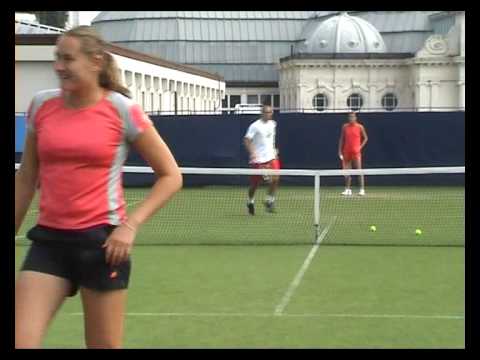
(160,102)
(389,101)
(266,99)
(320,102)
(234,100)
(355,102)
(252,99)
(151,102)
(276,101)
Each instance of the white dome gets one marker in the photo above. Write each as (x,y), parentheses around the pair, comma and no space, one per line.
(343,34)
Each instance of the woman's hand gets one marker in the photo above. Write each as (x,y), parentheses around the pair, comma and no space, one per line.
(118,245)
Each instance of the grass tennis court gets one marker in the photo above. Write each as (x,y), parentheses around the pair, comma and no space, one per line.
(397,290)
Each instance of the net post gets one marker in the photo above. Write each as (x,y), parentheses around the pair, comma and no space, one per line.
(316,210)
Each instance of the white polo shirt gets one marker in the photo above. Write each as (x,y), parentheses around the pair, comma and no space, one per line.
(262,135)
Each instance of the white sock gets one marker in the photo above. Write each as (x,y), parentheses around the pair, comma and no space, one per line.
(251,201)
(270,199)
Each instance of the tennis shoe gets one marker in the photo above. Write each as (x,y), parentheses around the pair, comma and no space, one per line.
(269,206)
(347,192)
(251,208)
(361,192)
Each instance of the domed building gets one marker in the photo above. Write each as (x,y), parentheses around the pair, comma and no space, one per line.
(342,34)
(343,64)
(309,60)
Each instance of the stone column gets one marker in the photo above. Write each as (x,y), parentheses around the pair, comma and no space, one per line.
(422,96)
(336,96)
(461,86)
(434,95)
(372,94)
(461,94)
(299,98)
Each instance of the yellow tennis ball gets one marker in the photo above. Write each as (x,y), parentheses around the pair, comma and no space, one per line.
(373,228)
(418,232)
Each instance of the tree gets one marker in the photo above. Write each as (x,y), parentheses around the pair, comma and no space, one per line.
(52,18)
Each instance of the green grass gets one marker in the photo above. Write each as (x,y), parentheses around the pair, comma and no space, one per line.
(188,295)
(224,297)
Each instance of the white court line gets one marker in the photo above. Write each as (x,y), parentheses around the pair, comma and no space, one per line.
(19,237)
(296,281)
(368,316)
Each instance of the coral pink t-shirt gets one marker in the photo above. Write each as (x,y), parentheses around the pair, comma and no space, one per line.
(81,153)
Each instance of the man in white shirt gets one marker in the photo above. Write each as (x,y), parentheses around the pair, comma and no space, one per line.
(260,144)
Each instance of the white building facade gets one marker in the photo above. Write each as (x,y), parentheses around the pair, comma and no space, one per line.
(345,66)
(159,86)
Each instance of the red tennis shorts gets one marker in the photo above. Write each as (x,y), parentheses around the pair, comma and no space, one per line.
(272,164)
(349,156)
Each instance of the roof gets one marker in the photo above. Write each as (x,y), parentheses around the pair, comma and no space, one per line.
(239,45)
(409,42)
(261,15)
(211,52)
(342,33)
(402,31)
(442,14)
(26,27)
(397,21)
(243,45)
(192,29)
(266,26)
(389,21)
(259,73)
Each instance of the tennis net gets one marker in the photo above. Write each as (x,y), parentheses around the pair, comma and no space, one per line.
(402,206)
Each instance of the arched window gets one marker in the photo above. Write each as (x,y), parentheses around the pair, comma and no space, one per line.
(355,102)
(389,101)
(320,102)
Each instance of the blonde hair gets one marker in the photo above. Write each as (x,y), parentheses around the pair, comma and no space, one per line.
(93,44)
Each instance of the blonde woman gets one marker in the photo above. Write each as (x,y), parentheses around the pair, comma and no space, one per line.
(77,141)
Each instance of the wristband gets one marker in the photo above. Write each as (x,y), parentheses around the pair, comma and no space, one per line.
(129,226)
